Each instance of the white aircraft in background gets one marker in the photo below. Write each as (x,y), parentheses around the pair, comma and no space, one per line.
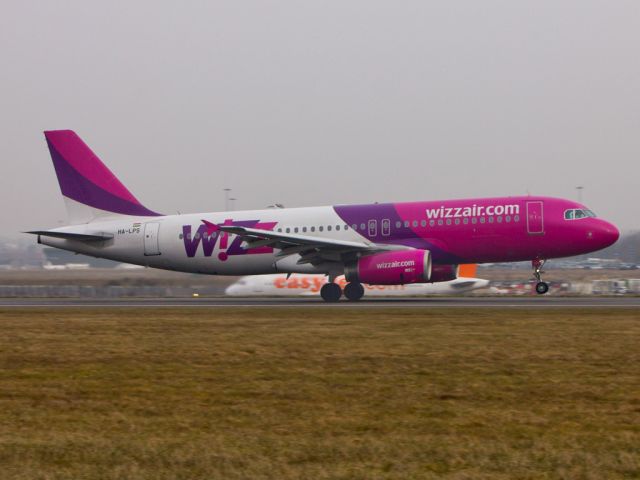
(279,285)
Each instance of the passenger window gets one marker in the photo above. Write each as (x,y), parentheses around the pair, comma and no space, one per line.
(354,227)
(398,224)
(337,227)
(288,230)
(328,228)
(180,236)
(457,221)
(440,222)
(304,229)
(362,226)
(432,223)
(406,223)
(313,229)
(320,228)
(295,230)
(448,221)
(423,223)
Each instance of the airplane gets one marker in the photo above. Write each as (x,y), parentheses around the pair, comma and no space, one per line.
(375,244)
(284,285)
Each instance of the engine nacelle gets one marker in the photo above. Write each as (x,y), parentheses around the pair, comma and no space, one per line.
(443,273)
(391,268)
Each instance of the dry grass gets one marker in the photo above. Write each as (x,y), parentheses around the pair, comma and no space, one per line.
(327,393)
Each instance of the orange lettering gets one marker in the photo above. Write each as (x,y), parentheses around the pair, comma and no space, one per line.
(317,283)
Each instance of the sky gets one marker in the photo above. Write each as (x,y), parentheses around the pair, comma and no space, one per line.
(319,103)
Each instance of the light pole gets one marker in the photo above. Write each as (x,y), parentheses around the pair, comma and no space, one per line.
(579,189)
(232,204)
(226,199)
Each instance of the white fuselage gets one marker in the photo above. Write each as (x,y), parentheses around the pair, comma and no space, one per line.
(278,285)
(181,242)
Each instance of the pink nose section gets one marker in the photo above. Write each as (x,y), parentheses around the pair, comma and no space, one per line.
(609,233)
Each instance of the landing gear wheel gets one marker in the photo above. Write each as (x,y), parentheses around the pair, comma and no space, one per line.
(542,288)
(330,292)
(353,291)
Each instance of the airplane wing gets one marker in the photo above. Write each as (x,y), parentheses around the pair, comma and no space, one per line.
(311,249)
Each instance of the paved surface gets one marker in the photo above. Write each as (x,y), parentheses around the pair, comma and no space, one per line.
(466,302)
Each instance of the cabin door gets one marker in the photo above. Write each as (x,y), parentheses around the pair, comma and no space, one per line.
(535,218)
(373,228)
(151,241)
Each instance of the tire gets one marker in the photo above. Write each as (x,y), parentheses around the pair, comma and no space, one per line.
(330,292)
(353,291)
(542,288)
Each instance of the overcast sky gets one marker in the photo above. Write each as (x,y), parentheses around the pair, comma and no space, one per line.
(307,103)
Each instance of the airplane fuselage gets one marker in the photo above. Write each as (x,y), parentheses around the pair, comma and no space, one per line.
(502,229)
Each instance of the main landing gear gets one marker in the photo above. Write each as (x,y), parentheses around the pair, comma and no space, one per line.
(541,287)
(353,291)
(331,292)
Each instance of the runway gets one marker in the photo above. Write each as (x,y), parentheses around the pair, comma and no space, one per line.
(239,302)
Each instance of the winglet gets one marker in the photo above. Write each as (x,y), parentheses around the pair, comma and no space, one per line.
(467,270)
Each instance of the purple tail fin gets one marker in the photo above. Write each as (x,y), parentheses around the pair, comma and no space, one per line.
(84,179)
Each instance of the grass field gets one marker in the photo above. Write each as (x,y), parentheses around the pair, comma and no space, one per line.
(319,393)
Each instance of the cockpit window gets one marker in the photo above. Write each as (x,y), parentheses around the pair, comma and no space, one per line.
(576,213)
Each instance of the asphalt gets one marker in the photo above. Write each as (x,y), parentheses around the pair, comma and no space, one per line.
(433,302)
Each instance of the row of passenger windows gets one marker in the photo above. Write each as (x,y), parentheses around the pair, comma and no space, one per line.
(576,213)
(372,226)
(386,224)
(313,229)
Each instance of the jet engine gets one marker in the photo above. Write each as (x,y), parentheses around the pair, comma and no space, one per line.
(443,273)
(391,268)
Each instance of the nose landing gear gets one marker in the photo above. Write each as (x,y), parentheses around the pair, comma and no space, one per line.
(541,287)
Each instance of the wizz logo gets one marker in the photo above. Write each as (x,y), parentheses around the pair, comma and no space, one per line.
(209,238)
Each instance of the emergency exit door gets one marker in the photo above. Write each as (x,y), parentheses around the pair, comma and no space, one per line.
(535,218)
(151,241)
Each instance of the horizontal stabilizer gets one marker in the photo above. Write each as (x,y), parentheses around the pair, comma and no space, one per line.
(83,237)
